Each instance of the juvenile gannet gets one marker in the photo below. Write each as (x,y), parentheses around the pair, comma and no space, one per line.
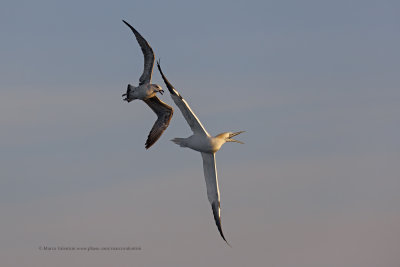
(147,92)
(203,142)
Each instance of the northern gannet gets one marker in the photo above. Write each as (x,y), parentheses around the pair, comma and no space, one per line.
(147,92)
(203,142)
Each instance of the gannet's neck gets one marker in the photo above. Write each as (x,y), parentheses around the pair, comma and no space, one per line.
(217,142)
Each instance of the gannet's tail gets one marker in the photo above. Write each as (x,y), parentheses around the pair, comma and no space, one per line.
(179,141)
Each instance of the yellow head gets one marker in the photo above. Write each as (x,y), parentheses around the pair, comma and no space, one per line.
(227,136)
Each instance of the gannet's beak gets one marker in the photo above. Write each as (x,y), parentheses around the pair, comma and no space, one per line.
(230,139)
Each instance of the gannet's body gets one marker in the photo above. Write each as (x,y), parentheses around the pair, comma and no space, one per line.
(147,92)
(203,142)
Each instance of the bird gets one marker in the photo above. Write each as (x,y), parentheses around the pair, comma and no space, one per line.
(204,143)
(147,91)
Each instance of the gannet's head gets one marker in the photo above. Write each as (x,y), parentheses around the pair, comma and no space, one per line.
(157,88)
(227,137)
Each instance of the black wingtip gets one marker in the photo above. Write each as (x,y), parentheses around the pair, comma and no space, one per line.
(130,26)
(167,83)
(215,208)
(150,141)
(126,23)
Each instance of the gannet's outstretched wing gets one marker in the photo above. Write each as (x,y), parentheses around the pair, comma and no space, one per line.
(148,56)
(187,113)
(164,114)
(210,174)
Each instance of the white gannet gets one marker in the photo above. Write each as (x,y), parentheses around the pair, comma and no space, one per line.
(203,142)
(147,92)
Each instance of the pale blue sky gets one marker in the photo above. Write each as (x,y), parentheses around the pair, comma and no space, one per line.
(315,84)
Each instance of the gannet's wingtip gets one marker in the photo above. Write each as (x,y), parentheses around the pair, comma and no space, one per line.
(217,218)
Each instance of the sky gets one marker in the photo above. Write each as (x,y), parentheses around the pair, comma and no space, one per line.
(315,85)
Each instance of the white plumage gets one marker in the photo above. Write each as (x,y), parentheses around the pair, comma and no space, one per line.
(203,142)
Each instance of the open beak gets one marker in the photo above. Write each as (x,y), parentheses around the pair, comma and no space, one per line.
(230,139)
